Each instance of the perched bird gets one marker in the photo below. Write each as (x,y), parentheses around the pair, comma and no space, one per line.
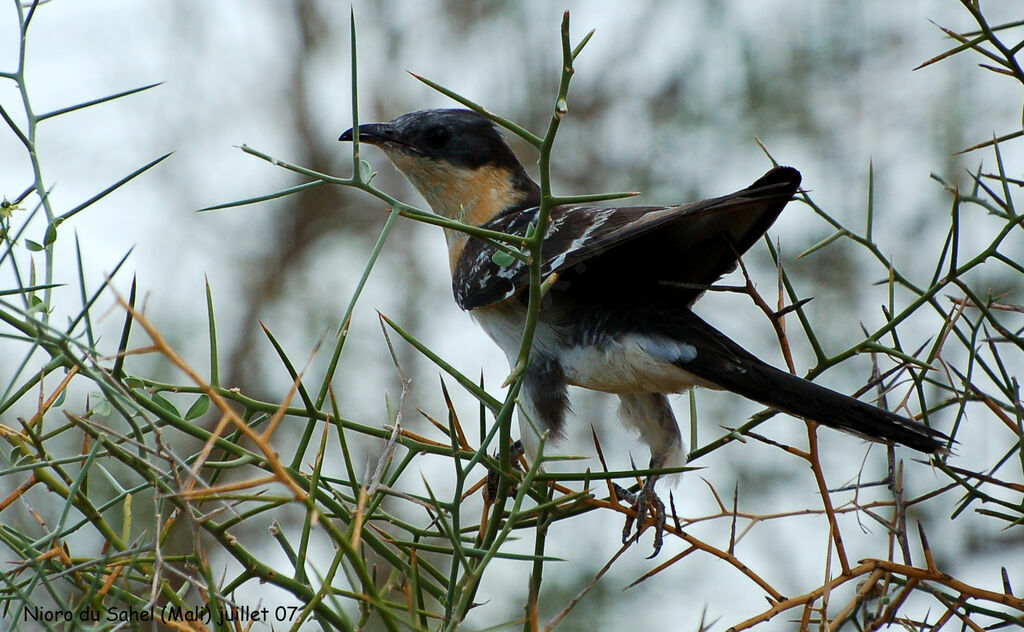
(618,318)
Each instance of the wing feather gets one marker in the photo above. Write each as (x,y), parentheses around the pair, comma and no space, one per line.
(630,247)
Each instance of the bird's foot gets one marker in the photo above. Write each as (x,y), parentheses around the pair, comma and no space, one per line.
(644,502)
(493,476)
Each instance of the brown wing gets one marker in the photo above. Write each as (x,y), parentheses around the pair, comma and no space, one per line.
(637,250)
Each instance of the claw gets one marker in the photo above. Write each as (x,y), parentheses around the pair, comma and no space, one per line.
(644,502)
(659,526)
(627,530)
(629,498)
(517,452)
(641,512)
(491,488)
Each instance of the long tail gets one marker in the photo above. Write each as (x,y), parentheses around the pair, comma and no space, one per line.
(723,362)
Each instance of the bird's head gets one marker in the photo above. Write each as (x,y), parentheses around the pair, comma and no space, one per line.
(458,161)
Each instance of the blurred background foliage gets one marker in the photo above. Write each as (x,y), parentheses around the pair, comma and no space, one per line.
(667,100)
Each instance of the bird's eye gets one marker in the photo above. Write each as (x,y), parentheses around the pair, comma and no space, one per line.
(436,137)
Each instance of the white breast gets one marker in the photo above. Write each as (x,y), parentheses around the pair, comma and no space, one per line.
(634,363)
(504,323)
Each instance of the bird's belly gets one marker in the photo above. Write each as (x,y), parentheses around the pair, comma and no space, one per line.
(503,322)
(632,364)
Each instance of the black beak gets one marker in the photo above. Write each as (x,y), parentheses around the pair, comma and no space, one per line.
(374,134)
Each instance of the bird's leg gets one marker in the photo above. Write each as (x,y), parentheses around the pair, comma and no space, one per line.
(491,488)
(652,416)
(643,502)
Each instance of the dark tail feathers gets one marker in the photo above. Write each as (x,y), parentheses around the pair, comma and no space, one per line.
(798,397)
(723,362)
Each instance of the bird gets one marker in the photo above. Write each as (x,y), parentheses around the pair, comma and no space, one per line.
(618,315)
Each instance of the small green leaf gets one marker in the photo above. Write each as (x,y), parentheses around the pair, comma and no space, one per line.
(503,259)
(531,230)
(365,171)
(51,234)
(36,304)
(134,382)
(198,408)
(165,405)
(33,246)
(100,405)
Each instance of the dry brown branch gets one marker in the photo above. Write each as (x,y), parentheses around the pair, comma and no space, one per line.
(572,604)
(886,566)
(262,441)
